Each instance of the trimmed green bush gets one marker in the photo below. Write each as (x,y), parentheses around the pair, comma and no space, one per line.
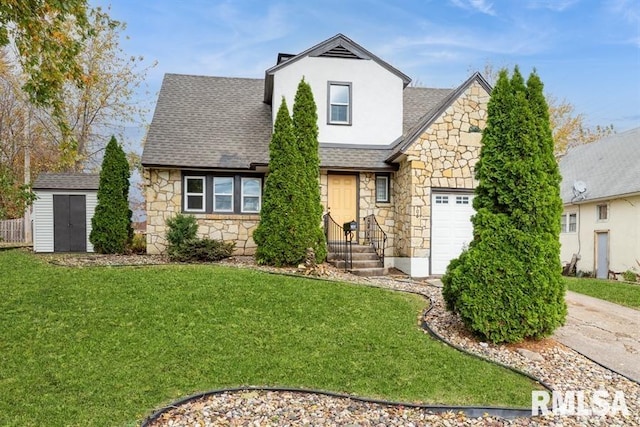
(111,229)
(202,250)
(507,286)
(630,276)
(181,228)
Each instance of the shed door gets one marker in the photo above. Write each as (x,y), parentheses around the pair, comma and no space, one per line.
(69,223)
(451,228)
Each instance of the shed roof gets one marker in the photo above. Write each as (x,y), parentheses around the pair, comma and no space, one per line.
(610,167)
(67,181)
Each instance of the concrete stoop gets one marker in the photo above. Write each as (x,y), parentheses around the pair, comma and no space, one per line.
(365,261)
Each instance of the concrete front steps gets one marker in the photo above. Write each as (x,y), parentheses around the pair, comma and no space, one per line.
(365,261)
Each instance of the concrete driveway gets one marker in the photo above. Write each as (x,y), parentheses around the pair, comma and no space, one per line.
(605,332)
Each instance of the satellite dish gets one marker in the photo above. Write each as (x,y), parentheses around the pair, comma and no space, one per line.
(579,187)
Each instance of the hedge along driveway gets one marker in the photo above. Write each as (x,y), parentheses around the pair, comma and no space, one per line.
(105,346)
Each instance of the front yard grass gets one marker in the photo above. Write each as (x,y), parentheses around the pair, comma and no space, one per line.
(106,345)
(626,294)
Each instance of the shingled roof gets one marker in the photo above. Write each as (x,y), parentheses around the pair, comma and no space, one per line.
(609,167)
(66,181)
(223,123)
(209,122)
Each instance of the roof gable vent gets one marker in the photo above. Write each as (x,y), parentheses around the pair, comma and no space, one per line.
(340,52)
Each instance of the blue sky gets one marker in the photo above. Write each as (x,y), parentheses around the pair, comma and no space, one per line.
(587,52)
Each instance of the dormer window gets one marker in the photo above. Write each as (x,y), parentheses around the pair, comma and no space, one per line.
(339,103)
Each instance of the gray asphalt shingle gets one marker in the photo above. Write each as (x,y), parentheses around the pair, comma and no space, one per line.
(67,181)
(223,123)
(609,167)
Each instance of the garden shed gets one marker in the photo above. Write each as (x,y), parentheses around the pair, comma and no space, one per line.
(63,210)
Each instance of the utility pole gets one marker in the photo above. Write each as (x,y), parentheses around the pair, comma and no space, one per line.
(28,238)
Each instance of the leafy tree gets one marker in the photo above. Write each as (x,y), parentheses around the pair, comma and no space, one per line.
(48,51)
(111,224)
(280,234)
(91,110)
(568,127)
(507,286)
(305,125)
(14,197)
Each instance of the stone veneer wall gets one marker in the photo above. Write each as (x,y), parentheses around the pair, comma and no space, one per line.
(444,156)
(164,200)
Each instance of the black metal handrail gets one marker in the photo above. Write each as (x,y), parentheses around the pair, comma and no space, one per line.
(339,241)
(375,236)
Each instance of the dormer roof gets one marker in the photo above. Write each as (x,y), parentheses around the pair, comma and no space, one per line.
(338,46)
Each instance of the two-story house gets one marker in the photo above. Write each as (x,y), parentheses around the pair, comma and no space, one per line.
(403,154)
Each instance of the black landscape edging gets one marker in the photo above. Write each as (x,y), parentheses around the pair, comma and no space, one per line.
(604,366)
(469,411)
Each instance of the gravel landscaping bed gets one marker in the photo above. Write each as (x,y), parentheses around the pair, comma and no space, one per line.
(549,361)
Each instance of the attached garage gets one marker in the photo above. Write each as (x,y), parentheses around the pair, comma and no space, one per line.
(62,212)
(451,228)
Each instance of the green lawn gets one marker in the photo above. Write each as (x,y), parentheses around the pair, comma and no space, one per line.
(610,290)
(105,346)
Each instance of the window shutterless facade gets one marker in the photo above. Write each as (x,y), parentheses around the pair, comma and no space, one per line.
(227,193)
(339,103)
(382,188)
(569,223)
(194,193)
(602,212)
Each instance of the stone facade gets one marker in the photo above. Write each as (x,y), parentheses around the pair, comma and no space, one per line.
(444,156)
(164,200)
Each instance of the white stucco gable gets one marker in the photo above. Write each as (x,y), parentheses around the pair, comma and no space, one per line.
(375,91)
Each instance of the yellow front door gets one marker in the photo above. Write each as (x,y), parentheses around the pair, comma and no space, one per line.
(342,198)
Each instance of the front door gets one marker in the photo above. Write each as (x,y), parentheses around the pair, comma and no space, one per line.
(342,201)
(69,223)
(602,255)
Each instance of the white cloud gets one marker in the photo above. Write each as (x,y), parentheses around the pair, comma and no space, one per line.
(477,5)
(554,5)
(627,9)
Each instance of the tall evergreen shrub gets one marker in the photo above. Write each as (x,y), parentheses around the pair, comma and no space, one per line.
(280,235)
(111,229)
(507,285)
(305,126)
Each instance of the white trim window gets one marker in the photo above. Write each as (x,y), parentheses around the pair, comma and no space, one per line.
(569,222)
(339,104)
(194,193)
(602,212)
(251,195)
(382,188)
(223,194)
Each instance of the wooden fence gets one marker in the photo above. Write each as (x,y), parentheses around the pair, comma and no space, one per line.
(12,230)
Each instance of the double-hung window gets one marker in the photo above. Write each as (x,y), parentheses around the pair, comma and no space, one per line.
(569,223)
(602,212)
(194,193)
(339,103)
(251,195)
(223,194)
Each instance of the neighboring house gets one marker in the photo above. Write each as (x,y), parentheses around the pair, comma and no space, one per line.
(601,195)
(403,154)
(63,210)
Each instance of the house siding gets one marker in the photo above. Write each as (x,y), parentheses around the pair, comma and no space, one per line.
(444,156)
(623,226)
(43,217)
(164,200)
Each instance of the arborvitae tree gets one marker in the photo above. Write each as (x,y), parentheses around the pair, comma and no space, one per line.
(111,223)
(280,234)
(506,286)
(305,125)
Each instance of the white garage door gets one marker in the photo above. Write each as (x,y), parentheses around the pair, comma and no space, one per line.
(451,228)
